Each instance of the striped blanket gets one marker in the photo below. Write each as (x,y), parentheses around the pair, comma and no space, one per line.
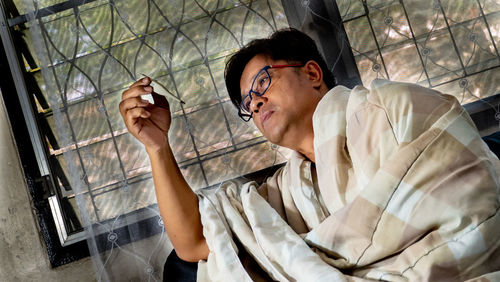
(403,188)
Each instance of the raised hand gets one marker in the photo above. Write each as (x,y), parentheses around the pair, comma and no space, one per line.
(149,123)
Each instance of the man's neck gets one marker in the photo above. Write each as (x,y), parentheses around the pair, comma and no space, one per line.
(303,142)
(308,151)
(306,146)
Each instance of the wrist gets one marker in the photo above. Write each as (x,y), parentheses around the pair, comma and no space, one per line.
(153,151)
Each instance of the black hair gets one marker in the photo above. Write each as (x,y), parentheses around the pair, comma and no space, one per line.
(287,44)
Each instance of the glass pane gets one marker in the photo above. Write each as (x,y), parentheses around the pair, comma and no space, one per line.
(209,130)
(475,46)
(350,8)
(24,8)
(439,66)
(425,17)
(87,120)
(360,36)
(494,26)
(102,166)
(370,66)
(110,32)
(131,197)
(412,72)
(194,176)
(197,88)
(433,43)
(460,11)
(247,160)
(474,87)
(389,24)
(92,53)
(132,156)
(489,6)
(241,131)
(180,140)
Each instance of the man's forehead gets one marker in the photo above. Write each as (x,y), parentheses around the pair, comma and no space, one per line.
(255,64)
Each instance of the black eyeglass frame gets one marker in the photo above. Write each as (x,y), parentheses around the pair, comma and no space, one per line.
(248,116)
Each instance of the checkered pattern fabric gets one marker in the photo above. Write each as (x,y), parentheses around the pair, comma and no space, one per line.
(403,188)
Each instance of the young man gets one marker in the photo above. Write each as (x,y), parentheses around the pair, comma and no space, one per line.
(392,183)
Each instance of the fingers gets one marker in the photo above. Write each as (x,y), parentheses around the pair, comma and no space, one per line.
(136,91)
(138,88)
(134,114)
(133,108)
(143,81)
(131,103)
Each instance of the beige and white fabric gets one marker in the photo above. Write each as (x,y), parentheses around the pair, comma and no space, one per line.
(403,189)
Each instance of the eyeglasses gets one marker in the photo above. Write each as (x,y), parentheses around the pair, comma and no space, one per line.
(260,84)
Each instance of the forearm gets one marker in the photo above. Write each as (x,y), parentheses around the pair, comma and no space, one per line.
(178,206)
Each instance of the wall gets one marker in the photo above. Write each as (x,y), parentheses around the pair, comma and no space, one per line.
(22,253)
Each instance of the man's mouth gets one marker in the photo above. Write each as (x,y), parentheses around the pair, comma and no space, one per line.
(265,116)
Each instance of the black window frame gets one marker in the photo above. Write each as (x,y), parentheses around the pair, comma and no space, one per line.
(41,187)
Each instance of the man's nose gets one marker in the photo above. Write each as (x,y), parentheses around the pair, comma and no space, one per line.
(257,103)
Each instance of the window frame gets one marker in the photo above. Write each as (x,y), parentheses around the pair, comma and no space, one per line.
(64,247)
(30,147)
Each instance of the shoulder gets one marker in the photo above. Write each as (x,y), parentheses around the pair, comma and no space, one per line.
(334,100)
(329,116)
(399,95)
(408,108)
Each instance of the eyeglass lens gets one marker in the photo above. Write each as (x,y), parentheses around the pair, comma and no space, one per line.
(259,87)
(261,82)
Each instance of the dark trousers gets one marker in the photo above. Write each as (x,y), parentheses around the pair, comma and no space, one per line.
(176,269)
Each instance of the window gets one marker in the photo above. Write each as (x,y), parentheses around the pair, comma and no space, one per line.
(451,46)
(77,58)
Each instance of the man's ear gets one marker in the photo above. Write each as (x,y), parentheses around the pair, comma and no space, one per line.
(314,73)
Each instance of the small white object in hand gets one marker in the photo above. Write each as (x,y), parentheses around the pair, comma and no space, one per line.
(160,89)
(148,97)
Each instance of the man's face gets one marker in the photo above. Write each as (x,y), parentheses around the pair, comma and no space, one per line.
(285,111)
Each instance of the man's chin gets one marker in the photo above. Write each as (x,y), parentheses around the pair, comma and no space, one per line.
(274,137)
